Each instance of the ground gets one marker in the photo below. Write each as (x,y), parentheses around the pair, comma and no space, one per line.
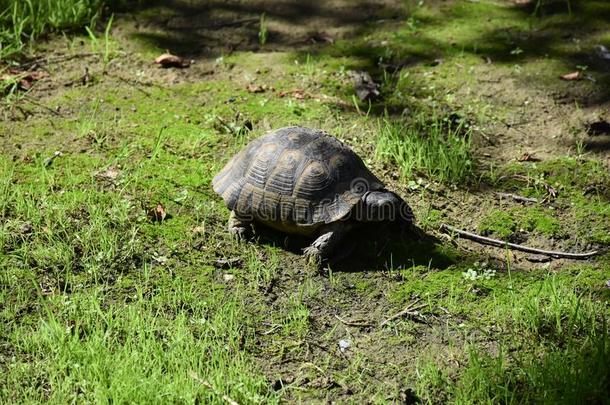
(119,281)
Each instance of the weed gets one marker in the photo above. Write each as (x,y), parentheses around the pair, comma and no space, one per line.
(22,22)
(104,49)
(432,148)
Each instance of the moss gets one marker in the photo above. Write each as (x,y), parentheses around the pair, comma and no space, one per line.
(537,220)
(504,223)
(433,219)
(499,223)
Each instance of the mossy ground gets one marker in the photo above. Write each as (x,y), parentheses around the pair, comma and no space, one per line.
(102,303)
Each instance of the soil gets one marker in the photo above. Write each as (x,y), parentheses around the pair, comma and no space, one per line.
(524,117)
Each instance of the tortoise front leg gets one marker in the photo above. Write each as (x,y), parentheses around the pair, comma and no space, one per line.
(321,248)
(239,226)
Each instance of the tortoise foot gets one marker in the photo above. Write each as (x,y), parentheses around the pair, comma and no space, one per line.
(313,256)
(239,228)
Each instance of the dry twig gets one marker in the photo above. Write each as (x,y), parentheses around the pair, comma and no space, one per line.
(359,324)
(518,198)
(410,310)
(49,109)
(498,243)
(50,160)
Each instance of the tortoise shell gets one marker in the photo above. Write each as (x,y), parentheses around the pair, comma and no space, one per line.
(295,177)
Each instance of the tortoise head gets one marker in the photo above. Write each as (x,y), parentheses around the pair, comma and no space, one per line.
(385,205)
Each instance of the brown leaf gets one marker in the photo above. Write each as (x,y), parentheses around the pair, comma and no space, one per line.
(527,157)
(110,174)
(37,75)
(157,214)
(255,88)
(198,230)
(298,94)
(24,78)
(364,85)
(168,60)
(571,76)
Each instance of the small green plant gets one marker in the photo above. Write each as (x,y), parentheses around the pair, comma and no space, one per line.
(23,21)
(262,31)
(107,41)
(479,271)
(432,147)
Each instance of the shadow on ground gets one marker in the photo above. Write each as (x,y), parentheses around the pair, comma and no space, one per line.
(372,248)
(211,28)
(510,34)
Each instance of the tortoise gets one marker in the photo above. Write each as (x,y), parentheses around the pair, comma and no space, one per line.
(304,181)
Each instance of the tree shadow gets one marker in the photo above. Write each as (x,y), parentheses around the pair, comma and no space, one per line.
(559,30)
(208,29)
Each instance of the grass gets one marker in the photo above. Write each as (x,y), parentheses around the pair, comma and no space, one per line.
(432,147)
(507,222)
(565,360)
(22,22)
(102,303)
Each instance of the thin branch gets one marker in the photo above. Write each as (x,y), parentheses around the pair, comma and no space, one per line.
(361,324)
(410,310)
(518,198)
(498,243)
(50,160)
(36,103)
(59,58)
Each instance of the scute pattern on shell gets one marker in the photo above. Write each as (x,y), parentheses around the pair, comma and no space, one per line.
(296,176)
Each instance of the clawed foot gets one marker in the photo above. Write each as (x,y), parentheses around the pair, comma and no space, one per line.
(239,227)
(313,255)
(239,233)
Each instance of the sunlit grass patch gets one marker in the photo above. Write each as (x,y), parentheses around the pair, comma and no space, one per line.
(506,223)
(552,346)
(434,147)
(21,22)
(168,341)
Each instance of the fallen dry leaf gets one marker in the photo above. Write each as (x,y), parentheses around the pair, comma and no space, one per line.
(198,230)
(109,175)
(157,214)
(168,60)
(256,88)
(528,157)
(571,76)
(298,94)
(364,85)
(24,78)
